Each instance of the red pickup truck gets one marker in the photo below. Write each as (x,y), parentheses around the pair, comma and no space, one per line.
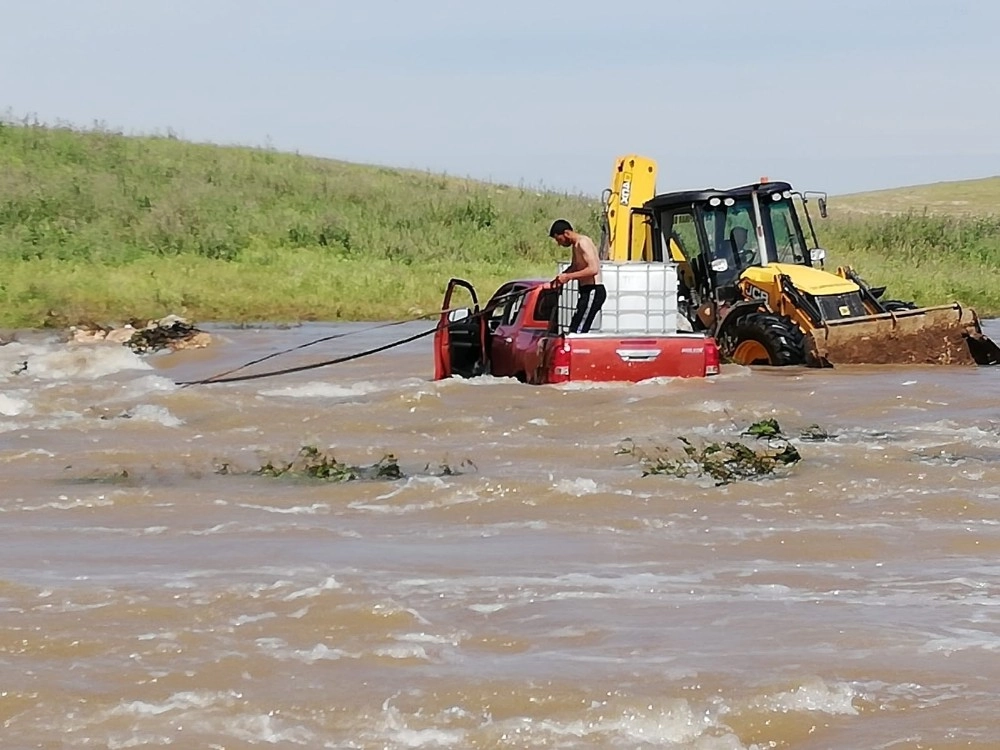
(517,334)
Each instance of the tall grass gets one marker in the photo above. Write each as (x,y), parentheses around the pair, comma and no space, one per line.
(96,225)
(929,258)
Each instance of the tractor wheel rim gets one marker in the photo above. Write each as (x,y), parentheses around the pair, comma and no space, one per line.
(748,352)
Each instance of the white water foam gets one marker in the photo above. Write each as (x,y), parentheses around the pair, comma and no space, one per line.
(403,651)
(203,712)
(962,639)
(814,696)
(154,414)
(88,362)
(322,389)
(298,510)
(182,701)
(577,487)
(310,592)
(647,725)
(321,652)
(674,723)
(64,502)
(394,725)
(419,487)
(10,406)
(145,385)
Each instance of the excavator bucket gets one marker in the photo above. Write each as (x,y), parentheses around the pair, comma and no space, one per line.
(944,335)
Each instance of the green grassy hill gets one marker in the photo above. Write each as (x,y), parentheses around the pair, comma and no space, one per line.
(934,243)
(964,198)
(99,226)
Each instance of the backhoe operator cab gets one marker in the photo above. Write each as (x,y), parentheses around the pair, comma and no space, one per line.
(725,240)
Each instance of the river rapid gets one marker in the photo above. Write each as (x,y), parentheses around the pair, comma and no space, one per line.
(522,586)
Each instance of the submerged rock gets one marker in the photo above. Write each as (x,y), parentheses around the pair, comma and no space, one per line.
(171,332)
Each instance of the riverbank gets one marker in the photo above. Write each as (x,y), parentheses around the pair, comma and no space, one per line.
(97,226)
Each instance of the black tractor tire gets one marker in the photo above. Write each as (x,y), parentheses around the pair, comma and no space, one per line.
(892,305)
(764,339)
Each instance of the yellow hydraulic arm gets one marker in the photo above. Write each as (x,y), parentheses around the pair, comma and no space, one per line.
(626,234)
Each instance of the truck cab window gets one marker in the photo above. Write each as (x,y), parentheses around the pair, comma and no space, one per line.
(513,306)
(496,308)
(547,301)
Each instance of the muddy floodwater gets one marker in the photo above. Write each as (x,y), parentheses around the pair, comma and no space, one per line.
(522,586)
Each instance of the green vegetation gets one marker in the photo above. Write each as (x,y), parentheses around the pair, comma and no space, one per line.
(313,463)
(965,198)
(724,462)
(98,226)
(102,227)
(926,257)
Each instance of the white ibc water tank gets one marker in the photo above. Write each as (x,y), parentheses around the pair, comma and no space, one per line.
(642,298)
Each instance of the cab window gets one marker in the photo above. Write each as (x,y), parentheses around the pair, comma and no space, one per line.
(680,236)
(513,306)
(547,301)
(788,244)
(496,308)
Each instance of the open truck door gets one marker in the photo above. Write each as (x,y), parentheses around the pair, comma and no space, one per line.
(460,338)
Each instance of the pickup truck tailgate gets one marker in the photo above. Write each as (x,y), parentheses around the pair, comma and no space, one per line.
(598,357)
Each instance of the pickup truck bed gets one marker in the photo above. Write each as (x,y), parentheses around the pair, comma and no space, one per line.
(517,334)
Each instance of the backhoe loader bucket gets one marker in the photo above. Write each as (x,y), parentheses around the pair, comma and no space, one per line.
(944,335)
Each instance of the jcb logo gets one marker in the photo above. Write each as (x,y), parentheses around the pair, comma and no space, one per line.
(755,292)
(626,189)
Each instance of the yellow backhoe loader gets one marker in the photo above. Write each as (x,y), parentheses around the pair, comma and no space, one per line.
(747,276)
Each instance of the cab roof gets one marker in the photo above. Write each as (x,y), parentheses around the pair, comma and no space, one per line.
(688,197)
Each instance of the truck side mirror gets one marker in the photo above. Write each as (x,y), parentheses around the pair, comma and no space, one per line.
(822,207)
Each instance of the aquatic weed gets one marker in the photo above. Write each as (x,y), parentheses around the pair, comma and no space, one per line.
(724,461)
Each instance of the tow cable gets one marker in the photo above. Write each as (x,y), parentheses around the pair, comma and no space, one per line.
(222,376)
(312,366)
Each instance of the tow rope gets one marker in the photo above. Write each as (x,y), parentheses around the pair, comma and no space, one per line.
(311,366)
(217,377)
(222,376)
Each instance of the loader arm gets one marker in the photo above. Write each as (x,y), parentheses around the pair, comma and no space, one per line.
(626,232)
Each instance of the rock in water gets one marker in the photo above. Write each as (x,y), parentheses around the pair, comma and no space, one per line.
(171,332)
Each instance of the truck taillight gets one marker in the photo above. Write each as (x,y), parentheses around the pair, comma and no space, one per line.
(711,357)
(560,363)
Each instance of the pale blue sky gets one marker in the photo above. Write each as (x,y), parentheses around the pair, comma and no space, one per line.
(842,96)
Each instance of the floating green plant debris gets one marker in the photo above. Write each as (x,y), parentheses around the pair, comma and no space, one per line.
(726,461)
(764,428)
(313,463)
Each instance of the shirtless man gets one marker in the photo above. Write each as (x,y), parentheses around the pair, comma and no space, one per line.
(585,269)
